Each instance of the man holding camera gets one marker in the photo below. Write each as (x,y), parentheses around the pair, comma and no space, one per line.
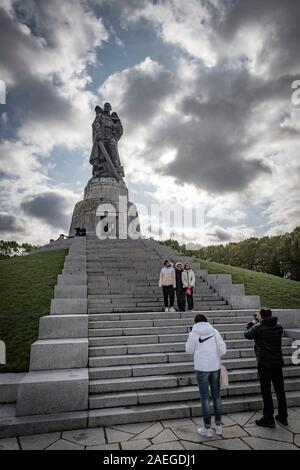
(267,334)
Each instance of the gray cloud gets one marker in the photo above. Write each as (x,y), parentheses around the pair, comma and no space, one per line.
(10,223)
(222,234)
(145,92)
(214,145)
(280,20)
(143,88)
(30,95)
(48,207)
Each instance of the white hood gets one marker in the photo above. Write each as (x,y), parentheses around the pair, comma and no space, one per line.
(203,329)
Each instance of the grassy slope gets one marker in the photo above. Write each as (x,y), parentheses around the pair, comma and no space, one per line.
(274,291)
(26,288)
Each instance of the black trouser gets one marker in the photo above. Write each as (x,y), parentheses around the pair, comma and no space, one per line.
(168,292)
(267,376)
(180,294)
(190,299)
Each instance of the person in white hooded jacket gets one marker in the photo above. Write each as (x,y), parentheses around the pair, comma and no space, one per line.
(207,346)
(188,281)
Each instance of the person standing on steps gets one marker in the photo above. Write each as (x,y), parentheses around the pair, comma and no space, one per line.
(188,281)
(207,346)
(267,335)
(167,280)
(180,294)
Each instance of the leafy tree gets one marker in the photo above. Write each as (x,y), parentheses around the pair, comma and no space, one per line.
(278,255)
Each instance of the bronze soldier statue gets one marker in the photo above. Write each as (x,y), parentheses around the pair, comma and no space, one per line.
(107,131)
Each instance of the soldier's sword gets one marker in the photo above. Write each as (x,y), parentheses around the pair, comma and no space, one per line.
(108,159)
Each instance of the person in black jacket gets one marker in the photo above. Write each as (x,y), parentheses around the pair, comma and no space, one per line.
(267,334)
(180,293)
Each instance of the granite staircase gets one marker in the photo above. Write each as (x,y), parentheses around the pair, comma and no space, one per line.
(108,354)
(138,368)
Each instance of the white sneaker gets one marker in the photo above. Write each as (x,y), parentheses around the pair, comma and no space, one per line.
(219,430)
(205,432)
(166,309)
(172,309)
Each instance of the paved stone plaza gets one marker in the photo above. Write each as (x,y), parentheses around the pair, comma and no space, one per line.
(240,433)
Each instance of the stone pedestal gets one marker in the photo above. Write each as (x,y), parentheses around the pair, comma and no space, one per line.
(106,209)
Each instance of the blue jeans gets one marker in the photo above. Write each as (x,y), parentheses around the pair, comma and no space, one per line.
(212,379)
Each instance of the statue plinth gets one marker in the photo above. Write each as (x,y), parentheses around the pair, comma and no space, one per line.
(105,202)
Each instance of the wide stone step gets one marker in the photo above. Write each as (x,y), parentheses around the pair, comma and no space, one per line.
(171,315)
(110,290)
(163,347)
(189,320)
(120,281)
(123,309)
(149,303)
(175,410)
(123,276)
(138,370)
(176,380)
(199,308)
(145,297)
(103,296)
(129,290)
(158,330)
(96,255)
(126,303)
(97,340)
(166,357)
(130,257)
(174,394)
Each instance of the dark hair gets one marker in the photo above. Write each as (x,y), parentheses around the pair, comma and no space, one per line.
(200,318)
(166,261)
(265,312)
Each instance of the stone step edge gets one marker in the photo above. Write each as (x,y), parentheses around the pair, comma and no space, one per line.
(174,410)
(179,343)
(176,364)
(183,389)
(233,320)
(188,375)
(37,424)
(171,353)
(170,315)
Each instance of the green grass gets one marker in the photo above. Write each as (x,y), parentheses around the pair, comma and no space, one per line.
(274,291)
(26,289)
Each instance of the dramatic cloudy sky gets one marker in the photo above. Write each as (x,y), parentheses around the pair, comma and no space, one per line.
(203,88)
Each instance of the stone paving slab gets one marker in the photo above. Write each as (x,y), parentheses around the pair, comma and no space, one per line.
(279,434)
(195,446)
(65,445)
(229,444)
(39,441)
(267,444)
(239,433)
(85,437)
(9,443)
(241,418)
(139,444)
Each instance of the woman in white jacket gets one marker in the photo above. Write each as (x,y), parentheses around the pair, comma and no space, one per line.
(207,346)
(188,282)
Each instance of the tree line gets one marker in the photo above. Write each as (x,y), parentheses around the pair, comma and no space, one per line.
(12,248)
(278,255)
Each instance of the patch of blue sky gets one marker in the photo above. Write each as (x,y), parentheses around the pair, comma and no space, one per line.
(69,167)
(132,47)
